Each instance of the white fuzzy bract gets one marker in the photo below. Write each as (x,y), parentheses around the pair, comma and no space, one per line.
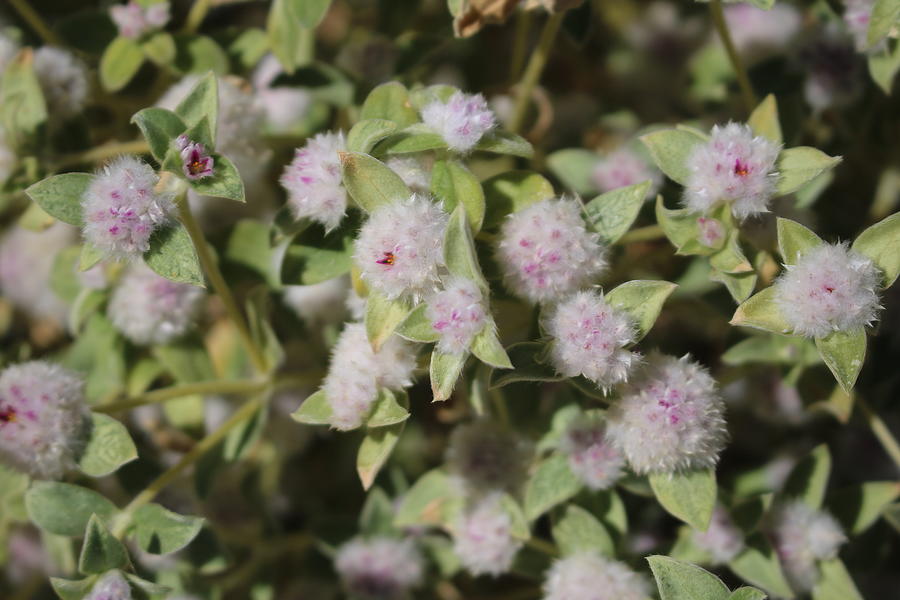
(722,540)
(149,309)
(546,252)
(122,209)
(590,338)
(313,181)
(625,167)
(458,314)
(400,248)
(734,166)
(482,537)
(63,78)
(111,586)
(379,568)
(591,456)
(414,170)
(830,288)
(43,419)
(284,106)
(485,458)
(357,372)
(589,576)
(669,418)
(318,303)
(462,120)
(802,536)
(134,20)
(857,16)
(759,33)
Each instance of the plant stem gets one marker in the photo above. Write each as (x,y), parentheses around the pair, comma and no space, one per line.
(242,387)
(881,431)
(542,545)
(718,17)
(211,268)
(103,152)
(642,234)
(520,44)
(196,15)
(34,20)
(533,71)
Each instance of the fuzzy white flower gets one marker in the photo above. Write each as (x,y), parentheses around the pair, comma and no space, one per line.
(111,586)
(591,456)
(722,539)
(625,167)
(356,373)
(313,181)
(857,16)
(63,79)
(482,537)
(546,252)
(759,33)
(458,314)
(379,568)
(669,418)
(802,536)
(589,338)
(149,309)
(43,419)
(589,576)
(485,458)
(830,288)
(734,166)
(284,106)
(134,20)
(462,120)
(400,248)
(414,170)
(319,303)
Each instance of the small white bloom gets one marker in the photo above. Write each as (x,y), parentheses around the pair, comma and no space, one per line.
(485,458)
(759,33)
(284,106)
(313,181)
(669,418)
(379,568)
(735,167)
(319,303)
(458,314)
(830,288)
(400,248)
(461,121)
(625,167)
(414,170)
(63,79)
(590,337)
(589,576)
(546,252)
(482,538)
(722,539)
(591,456)
(857,16)
(149,309)
(111,586)
(43,419)
(802,536)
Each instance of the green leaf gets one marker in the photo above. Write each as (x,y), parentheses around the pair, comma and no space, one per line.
(579,531)
(69,589)
(147,587)
(286,35)
(225,182)
(64,509)
(161,531)
(383,316)
(202,101)
(315,410)
(374,451)
(881,243)
(444,370)
(387,410)
(518,524)
(160,128)
(689,496)
(390,101)
(310,12)
(795,240)
(642,300)
(764,120)
(758,564)
(314,256)
(798,166)
(680,226)
(670,149)
(22,108)
(430,501)
(366,133)
(377,514)
(747,593)
(678,580)
(101,551)
(370,182)
(415,138)
(526,367)
(773,349)
(159,47)
(454,185)
(503,142)
(416,327)
(844,353)
(884,17)
(108,447)
(512,191)
(809,478)
(551,483)
(883,65)
(198,54)
(761,312)
(611,214)
(575,168)
(60,196)
(835,582)
(857,507)
(120,63)
(172,255)
(487,348)
(90,256)
(459,250)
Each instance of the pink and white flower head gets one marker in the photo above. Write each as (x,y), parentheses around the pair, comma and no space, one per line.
(590,337)
(379,568)
(319,303)
(482,537)
(734,166)
(625,167)
(857,16)
(546,252)
(458,314)
(669,418)
(122,209)
(589,576)
(63,78)
(710,232)
(284,106)
(591,456)
(196,163)
(462,120)
(43,419)
(722,540)
(134,20)
(758,33)
(357,372)
(485,458)
(830,288)
(149,309)
(399,250)
(414,170)
(111,586)
(802,536)
(313,180)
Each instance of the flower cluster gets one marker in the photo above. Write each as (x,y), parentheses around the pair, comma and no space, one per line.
(458,314)
(134,19)
(462,120)
(196,163)
(313,181)
(486,458)
(379,568)
(802,536)
(589,576)
(625,167)
(722,539)
(591,456)
(482,537)
(111,586)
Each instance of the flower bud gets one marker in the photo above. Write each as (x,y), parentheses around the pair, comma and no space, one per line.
(379,568)
(591,456)
(313,181)
(589,576)
(458,314)
(802,536)
(482,538)
(461,121)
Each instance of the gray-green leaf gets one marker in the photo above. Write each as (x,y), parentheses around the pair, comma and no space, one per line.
(64,509)
(60,196)
(108,447)
(689,496)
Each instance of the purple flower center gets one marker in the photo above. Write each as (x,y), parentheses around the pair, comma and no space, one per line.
(388,259)
(741,168)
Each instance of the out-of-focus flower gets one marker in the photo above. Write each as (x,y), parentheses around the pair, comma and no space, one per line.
(63,78)
(485,458)
(414,170)
(313,180)
(284,106)
(195,161)
(482,537)
(857,16)
(319,303)
(379,568)
(834,71)
(458,314)
(624,167)
(589,576)
(462,120)
(722,539)
(591,456)
(134,20)
(802,536)
(758,33)
(111,586)
(711,231)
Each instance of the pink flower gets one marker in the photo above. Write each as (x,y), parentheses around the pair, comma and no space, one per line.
(133,20)
(457,313)
(461,121)
(197,164)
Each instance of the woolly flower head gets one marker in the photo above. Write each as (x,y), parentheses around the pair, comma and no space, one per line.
(134,20)
(414,170)
(589,576)
(462,120)
(357,371)
(589,338)
(43,418)
(759,33)
(857,15)
(122,209)
(284,106)
(112,586)
(830,288)
(625,167)
(458,314)
(669,418)
(63,78)
(734,166)
(722,539)
(486,458)
(318,303)
(313,180)
(379,568)
(400,248)
(801,536)
(149,309)
(482,537)
(546,252)
(591,456)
